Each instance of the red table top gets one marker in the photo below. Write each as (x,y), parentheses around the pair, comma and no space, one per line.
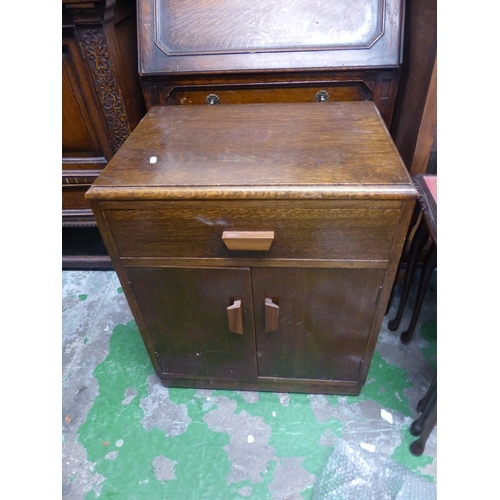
(431,181)
(427,188)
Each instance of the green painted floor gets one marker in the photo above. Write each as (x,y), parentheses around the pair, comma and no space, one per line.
(127,437)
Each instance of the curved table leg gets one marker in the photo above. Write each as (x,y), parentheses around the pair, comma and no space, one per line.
(428,267)
(421,405)
(418,446)
(420,238)
(413,222)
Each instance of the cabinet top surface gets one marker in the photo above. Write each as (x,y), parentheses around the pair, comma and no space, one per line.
(310,150)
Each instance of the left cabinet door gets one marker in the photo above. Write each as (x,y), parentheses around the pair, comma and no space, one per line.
(185,312)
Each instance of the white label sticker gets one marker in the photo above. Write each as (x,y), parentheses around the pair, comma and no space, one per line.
(367,447)
(386,416)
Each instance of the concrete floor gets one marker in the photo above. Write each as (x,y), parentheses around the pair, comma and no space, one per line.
(125,436)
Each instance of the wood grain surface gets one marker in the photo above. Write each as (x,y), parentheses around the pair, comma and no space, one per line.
(327,147)
(303,315)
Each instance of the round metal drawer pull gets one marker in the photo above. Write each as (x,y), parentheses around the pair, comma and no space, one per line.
(212,99)
(322,96)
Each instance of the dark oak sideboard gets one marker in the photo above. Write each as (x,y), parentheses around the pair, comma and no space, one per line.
(259,253)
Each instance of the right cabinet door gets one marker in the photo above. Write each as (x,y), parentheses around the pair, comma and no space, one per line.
(313,323)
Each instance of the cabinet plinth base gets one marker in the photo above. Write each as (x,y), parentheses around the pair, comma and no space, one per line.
(267,385)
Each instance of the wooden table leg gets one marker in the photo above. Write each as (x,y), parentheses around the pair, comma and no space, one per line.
(422,404)
(420,238)
(413,222)
(428,267)
(424,424)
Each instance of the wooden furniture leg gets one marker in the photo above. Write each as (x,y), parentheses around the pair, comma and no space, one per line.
(418,446)
(413,222)
(423,402)
(419,240)
(428,267)
(423,425)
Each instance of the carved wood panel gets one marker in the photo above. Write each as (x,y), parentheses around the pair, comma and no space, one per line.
(95,50)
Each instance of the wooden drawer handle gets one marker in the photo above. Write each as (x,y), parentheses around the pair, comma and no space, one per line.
(272,312)
(235,317)
(248,240)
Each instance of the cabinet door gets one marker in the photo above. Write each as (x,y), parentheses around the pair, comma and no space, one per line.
(85,145)
(323,322)
(185,311)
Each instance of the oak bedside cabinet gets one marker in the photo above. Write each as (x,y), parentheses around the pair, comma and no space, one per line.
(257,244)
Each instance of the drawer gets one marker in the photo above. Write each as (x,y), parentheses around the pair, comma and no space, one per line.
(341,92)
(312,233)
(73,197)
(76,182)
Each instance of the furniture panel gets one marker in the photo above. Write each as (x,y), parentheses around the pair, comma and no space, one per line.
(320,311)
(102,100)
(78,132)
(85,148)
(298,233)
(414,127)
(227,52)
(227,35)
(268,93)
(336,318)
(188,320)
(377,85)
(230,146)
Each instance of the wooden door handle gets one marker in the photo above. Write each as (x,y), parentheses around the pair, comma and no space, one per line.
(272,312)
(235,317)
(248,240)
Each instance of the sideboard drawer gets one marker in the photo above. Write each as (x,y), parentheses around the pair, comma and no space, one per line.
(312,233)
(345,91)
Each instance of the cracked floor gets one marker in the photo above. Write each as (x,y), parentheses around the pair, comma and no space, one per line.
(125,436)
